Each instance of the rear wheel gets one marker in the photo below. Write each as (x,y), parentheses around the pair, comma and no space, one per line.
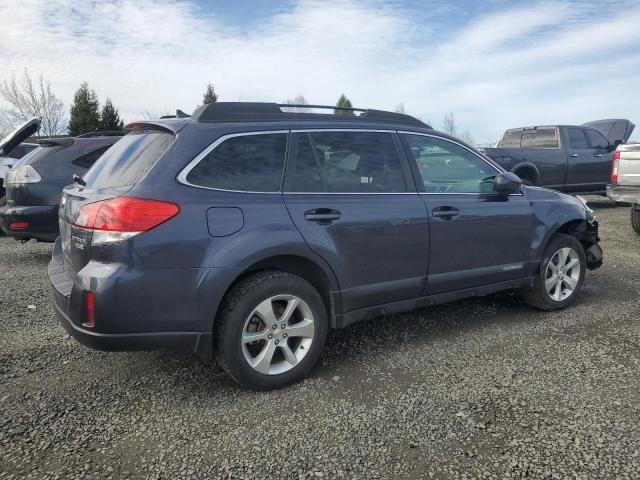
(635,218)
(561,274)
(271,330)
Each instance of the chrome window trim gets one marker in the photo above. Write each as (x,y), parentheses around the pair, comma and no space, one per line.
(406,132)
(182,176)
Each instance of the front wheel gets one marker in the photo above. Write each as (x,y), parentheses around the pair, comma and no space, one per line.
(635,218)
(561,275)
(271,330)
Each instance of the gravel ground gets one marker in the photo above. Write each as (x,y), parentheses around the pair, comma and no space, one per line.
(483,388)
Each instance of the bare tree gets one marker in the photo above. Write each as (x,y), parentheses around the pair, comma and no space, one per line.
(29,98)
(467,137)
(400,108)
(449,124)
(297,100)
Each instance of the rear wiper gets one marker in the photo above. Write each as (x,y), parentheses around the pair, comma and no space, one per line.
(79,180)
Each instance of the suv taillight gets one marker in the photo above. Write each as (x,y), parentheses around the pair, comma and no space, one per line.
(123,217)
(22,175)
(614,168)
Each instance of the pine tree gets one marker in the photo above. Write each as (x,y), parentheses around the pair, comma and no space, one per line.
(85,115)
(343,102)
(110,118)
(210,95)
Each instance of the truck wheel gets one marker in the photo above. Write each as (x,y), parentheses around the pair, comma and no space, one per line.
(561,275)
(635,218)
(271,330)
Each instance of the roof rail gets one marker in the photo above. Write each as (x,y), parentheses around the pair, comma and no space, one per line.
(104,133)
(227,112)
(56,141)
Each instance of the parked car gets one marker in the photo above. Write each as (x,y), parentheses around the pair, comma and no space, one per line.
(625,180)
(571,159)
(34,186)
(12,148)
(239,234)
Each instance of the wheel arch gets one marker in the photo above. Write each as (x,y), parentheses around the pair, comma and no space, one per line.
(528,171)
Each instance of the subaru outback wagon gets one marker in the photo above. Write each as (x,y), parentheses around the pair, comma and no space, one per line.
(247,232)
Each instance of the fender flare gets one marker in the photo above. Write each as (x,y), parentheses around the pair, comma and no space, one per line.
(528,165)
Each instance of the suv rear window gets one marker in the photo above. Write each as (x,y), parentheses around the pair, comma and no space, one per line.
(129,159)
(249,163)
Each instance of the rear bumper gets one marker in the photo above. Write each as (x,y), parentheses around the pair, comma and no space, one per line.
(42,222)
(132,312)
(624,194)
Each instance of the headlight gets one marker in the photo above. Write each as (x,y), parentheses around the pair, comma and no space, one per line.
(589,213)
(24,174)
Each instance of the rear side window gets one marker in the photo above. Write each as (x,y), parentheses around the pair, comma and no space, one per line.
(86,161)
(129,159)
(577,138)
(249,163)
(347,162)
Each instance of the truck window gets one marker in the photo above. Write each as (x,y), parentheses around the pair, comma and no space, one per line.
(577,138)
(511,139)
(596,139)
(540,138)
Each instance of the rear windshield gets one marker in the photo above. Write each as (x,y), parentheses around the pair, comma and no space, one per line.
(38,154)
(129,159)
(530,138)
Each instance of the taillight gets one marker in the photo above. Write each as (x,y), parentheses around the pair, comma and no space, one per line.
(614,168)
(89,310)
(18,225)
(123,217)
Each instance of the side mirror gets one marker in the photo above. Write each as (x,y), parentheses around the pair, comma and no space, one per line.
(507,183)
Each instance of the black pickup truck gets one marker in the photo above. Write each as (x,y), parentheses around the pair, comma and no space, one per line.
(568,158)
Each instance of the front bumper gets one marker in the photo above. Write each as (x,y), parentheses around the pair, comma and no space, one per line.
(42,220)
(624,194)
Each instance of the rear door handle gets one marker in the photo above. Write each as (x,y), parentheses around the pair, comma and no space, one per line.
(445,212)
(322,215)
(599,155)
(574,155)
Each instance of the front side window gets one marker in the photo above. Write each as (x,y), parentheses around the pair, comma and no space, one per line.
(446,167)
(249,163)
(577,138)
(346,162)
(596,139)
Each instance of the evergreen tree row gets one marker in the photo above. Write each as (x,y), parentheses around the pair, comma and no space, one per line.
(87,116)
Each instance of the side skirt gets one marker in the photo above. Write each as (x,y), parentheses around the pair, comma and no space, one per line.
(348,318)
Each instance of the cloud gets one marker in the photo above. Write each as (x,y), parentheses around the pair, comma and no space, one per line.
(507,66)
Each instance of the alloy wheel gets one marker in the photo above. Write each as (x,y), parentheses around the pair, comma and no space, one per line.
(278,334)
(562,274)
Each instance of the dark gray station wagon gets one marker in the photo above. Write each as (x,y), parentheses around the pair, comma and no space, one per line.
(247,232)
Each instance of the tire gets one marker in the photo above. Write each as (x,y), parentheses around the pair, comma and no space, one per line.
(250,310)
(635,218)
(563,293)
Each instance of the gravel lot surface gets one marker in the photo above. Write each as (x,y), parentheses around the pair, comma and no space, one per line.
(483,388)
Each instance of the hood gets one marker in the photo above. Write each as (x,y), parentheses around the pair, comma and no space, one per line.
(617,130)
(18,136)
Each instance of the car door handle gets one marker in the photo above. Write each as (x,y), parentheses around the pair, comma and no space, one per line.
(322,215)
(574,155)
(599,155)
(446,212)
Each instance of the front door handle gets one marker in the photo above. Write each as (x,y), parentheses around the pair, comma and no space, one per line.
(574,155)
(446,212)
(323,216)
(599,155)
